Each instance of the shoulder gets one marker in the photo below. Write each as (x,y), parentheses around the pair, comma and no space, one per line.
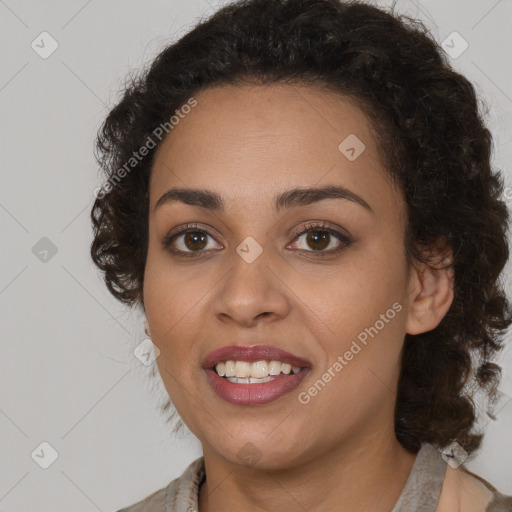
(181,490)
(464,491)
(153,502)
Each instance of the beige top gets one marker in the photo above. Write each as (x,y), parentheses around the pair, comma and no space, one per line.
(432,486)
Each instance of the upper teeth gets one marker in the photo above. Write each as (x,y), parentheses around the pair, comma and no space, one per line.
(258,369)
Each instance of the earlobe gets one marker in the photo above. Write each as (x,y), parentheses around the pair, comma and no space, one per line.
(146,328)
(432,292)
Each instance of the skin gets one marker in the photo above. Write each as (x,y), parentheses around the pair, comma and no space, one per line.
(248,144)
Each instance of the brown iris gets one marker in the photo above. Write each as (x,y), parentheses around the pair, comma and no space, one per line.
(196,238)
(318,237)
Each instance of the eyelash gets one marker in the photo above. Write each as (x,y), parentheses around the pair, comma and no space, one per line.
(345,241)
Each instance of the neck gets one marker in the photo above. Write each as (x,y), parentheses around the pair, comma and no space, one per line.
(362,475)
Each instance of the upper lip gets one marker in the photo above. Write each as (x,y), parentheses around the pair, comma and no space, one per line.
(251,354)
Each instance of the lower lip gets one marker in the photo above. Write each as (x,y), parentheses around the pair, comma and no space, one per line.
(252,394)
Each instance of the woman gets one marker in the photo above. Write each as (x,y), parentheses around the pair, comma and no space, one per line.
(299,195)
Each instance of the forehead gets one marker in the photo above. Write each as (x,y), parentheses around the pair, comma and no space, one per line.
(250,141)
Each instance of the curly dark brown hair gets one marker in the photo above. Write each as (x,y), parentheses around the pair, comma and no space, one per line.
(432,138)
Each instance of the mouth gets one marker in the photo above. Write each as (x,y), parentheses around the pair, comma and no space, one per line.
(253,375)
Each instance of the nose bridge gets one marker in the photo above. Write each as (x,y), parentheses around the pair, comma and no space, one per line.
(250,287)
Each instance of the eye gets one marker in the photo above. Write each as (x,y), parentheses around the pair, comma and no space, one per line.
(322,239)
(190,241)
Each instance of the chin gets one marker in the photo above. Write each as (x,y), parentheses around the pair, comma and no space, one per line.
(261,454)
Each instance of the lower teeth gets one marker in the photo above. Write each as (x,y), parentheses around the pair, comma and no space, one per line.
(249,380)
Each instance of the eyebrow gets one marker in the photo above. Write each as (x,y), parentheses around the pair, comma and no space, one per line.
(290,199)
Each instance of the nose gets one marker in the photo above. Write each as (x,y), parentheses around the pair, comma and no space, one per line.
(251,293)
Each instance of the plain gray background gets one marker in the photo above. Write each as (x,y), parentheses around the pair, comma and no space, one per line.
(69,375)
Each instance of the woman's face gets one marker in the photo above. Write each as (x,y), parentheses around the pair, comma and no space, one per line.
(255,273)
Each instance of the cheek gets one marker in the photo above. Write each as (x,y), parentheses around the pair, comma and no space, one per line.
(170,290)
(353,295)
(359,322)
(165,308)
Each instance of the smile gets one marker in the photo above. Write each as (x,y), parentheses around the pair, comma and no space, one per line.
(253,375)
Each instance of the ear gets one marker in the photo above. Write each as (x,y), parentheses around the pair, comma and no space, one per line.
(430,290)
(146,328)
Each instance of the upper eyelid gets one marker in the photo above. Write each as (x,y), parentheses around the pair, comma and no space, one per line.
(312,224)
(169,238)
(309,225)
